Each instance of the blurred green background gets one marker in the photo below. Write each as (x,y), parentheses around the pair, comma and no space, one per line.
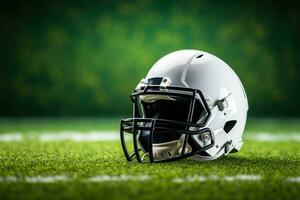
(83,58)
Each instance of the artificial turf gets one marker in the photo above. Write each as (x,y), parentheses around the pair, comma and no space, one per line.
(273,161)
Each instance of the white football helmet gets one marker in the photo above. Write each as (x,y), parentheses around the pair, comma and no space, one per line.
(191,104)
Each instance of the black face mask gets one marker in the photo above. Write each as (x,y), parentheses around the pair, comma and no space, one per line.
(165,115)
(175,109)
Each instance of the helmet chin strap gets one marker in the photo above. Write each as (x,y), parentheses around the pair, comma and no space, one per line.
(207,158)
(225,150)
(166,150)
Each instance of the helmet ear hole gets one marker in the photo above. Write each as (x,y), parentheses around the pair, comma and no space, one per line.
(229,125)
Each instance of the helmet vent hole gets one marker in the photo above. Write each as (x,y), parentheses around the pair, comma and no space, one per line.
(199,56)
(170,154)
(229,125)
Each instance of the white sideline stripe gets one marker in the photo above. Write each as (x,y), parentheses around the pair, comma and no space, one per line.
(8,137)
(79,136)
(95,136)
(107,178)
(269,137)
(76,136)
(197,178)
(122,178)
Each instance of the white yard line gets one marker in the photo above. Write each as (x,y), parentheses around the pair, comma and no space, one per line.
(46,179)
(109,178)
(53,179)
(293,179)
(242,177)
(190,179)
(96,136)
(37,179)
(9,179)
(143,178)
(197,178)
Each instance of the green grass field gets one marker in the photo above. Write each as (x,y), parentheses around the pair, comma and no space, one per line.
(66,169)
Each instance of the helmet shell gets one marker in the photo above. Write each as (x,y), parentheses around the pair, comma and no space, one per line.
(216,80)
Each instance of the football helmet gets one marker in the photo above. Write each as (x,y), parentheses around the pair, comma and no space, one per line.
(190,105)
